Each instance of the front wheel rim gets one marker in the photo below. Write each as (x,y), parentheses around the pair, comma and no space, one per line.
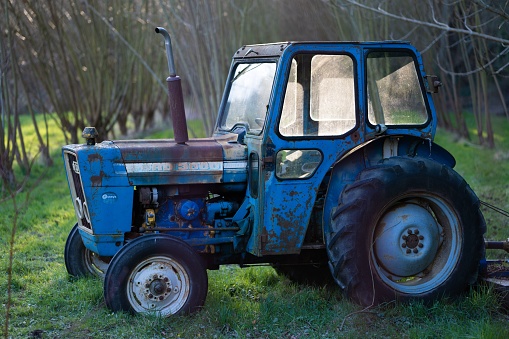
(95,264)
(437,223)
(158,284)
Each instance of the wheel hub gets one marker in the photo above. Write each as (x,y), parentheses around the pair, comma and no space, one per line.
(156,286)
(407,239)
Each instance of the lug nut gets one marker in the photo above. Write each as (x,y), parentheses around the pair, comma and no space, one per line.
(161,297)
(421,245)
(409,232)
(404,237)
(416,250)
(416,231)
(421,237)
(408,251)
(403,245)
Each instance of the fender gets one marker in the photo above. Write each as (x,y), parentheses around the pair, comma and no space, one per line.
(347,168)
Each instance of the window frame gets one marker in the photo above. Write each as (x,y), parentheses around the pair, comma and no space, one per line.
(355,68)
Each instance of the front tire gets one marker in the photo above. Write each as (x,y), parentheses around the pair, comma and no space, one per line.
(80,261)
(156,274)
(409,228)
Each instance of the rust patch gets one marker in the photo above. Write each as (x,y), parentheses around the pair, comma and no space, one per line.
(355,136)
(169,151)
(97,179)
(94,157)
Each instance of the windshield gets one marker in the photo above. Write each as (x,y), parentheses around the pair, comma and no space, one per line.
(249,96)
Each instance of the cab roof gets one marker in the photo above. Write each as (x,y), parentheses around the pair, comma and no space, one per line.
(277,48)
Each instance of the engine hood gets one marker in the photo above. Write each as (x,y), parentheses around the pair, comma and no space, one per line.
(163,161)
(207,160)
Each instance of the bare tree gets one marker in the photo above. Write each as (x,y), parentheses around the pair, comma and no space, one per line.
(472,30)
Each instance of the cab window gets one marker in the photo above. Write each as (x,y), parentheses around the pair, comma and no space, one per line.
(394,92)
(320,97)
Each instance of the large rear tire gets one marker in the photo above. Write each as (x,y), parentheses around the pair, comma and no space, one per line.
(81,262)
(409,228)
(156,274)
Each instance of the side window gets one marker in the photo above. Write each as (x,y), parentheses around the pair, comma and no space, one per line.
(320,96)
(297,164)
(291,123)
(394,92)
(332,94)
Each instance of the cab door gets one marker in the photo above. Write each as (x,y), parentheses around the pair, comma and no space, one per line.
(313,121)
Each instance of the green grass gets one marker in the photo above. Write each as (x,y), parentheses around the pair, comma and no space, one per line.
(486,171)
(243,303)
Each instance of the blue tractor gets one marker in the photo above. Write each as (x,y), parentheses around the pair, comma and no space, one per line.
(322,164)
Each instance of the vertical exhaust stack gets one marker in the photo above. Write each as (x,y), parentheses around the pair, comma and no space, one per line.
(177,111)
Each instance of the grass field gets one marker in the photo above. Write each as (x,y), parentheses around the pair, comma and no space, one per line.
(243,303)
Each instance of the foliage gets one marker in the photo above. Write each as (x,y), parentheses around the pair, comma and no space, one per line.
(486,170)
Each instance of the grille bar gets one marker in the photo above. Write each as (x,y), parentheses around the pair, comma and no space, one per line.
(80,204)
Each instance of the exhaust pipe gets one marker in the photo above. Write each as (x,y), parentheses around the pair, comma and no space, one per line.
(177,111)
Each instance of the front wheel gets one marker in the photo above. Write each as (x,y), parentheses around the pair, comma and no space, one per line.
(409,228)
(156,274)
(80,261)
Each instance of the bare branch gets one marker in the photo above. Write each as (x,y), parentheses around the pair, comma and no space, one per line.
(124,41)
(439,26)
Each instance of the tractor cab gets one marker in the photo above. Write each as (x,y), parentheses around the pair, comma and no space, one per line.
(300,108)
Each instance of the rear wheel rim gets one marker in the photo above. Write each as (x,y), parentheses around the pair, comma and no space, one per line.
(426,249)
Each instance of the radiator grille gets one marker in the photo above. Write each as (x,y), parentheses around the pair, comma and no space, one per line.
(78,196)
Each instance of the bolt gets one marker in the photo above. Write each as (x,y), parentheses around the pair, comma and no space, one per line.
(421,245)
(155,276)
(403,245)
(416,231)
(147,286)
(161,297)
(421,237)
(404,237)
(150,295)
(408,251)
(409,232)
(165,279)
(416,250)
(168,290)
